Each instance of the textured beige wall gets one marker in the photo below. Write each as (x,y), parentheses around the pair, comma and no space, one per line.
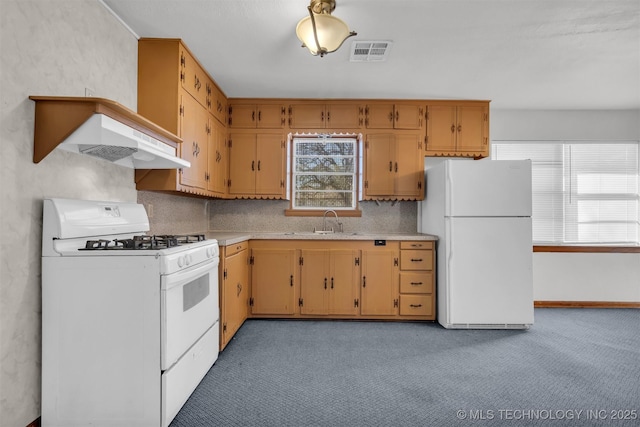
(268,215)
(48,48)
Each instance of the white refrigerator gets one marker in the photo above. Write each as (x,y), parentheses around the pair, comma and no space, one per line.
(481,212)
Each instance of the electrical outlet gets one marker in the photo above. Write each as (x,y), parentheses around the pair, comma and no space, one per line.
(150,210)
(89,92)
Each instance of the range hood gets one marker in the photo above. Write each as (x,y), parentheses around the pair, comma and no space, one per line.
(105,129)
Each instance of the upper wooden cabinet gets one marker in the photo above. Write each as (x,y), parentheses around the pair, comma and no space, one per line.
(394,116)
(457,130)
(261,116)
(338,116)
(175,92)
(394,166)
(256,165)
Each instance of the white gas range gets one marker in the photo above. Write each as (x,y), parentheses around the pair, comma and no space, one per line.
(129,321)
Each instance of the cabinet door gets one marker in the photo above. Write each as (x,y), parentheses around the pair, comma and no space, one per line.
(236,291)
(270,116)
(242,116)
(379,175)
(343,116)
(269,166)
(379,283)
(408,165)
(306,116)
(407,116)
(272,277)
(193,79)
(216,102)
(314,278)
(217,157)
(472,129)
(441,128)
(195,139)
(379,116)
(343,282)
(242,163)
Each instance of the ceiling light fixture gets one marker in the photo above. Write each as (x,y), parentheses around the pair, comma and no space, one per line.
(320,32)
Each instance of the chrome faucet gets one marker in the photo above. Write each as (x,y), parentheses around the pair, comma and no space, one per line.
(324,220)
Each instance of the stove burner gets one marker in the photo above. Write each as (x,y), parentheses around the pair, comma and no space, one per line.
(143,242)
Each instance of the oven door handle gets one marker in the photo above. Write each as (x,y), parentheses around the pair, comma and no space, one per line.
(179,278)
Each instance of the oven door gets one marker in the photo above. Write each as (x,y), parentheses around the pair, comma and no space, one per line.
(189,308)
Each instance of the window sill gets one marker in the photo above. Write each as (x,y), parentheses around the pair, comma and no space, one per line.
(588,249)
(320,212)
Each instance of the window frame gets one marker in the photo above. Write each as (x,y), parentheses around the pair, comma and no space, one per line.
(566,177)
(353,211)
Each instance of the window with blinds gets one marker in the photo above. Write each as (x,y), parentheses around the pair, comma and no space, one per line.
(584,193)
(324,172)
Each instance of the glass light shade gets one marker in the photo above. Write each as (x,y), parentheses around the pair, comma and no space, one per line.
(332,32)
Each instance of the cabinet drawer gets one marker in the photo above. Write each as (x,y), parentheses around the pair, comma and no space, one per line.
(235,248)
(416,244)
(416,283)
(416,305)
(416,260)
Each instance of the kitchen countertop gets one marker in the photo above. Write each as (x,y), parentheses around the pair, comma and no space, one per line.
(231,237)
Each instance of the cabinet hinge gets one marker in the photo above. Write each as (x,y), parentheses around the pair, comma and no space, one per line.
(224,327)
(251,260)
(181,110)
(395,262)
(230,109)
(251,301)
(366,184)
(395,302)
(419,185)
(229,183)
(485,118)
(230,142)
(357,260)
(300,302)
(355,303)
(282,184)
(224,274)
(426,115)
(301,261)
(230,120)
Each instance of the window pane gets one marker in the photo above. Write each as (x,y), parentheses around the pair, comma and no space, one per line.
(583,192)
(324,172)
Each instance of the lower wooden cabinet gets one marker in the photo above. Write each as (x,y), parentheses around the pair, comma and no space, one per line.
(272,281)
(234,289)
(331,279)
(417,284)
(380,282)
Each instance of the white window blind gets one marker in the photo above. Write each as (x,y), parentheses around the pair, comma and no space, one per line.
(324,172)
(584,192)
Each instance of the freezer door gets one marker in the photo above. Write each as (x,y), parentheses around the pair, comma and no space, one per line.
(489,272)
(488,188)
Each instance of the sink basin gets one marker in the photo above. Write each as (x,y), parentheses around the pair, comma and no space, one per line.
(309,233)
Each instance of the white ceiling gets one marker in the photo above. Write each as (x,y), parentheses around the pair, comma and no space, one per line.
(539,54)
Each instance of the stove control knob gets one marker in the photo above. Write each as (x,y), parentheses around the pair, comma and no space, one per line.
(187,259)
(209,252)
(181,262)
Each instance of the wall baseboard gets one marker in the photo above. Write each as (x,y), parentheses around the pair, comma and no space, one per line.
(35,423)
(586,304)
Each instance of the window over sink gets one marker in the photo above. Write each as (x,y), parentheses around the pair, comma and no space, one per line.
(325,172)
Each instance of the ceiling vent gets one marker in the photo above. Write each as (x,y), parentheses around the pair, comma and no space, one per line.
(370,51)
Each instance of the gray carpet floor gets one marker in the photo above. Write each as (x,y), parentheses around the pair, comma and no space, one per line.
(574,367)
